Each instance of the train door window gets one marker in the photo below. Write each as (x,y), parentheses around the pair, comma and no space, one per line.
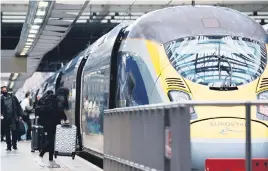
(74,85)
(61,83)
(44,91)
(131,84)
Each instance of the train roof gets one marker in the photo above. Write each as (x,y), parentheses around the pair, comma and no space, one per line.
(72,64)
(108,37)
(172,23)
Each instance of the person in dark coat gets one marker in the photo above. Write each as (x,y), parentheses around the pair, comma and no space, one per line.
(3,132)
(11,113)
(56,118)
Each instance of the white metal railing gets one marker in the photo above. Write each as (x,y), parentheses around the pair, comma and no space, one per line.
(135,137)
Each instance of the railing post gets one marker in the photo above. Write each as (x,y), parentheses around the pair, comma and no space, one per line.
(248,137)
(167,130)
(180,141)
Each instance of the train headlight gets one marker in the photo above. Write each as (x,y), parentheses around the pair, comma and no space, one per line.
(263,109)
(177,96)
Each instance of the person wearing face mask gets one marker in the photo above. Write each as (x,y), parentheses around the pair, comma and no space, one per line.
(57,116)
(11,113)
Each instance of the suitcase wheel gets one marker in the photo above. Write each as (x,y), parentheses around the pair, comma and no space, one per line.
(32,151)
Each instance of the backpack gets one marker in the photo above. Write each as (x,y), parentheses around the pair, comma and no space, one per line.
(45,108)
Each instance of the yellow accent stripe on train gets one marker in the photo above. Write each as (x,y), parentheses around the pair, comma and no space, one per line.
(153,52)
(163,67)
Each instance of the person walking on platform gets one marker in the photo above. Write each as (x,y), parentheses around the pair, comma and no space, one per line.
(57,116)
(26,107)
(2,128)
(11,114)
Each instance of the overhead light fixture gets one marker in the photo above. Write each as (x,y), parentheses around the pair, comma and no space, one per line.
(33,31)
(14,13)
(32,26)
(83,17)
(35,27)
(40,13)
(43,4)
(104,21)
(81,21)
(11,84)
(28,43)
(32,35)
(13,21)
(15,75)
(30,40)
(13,17)
(38,20)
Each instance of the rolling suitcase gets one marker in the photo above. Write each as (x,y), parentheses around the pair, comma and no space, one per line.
(38,136)
(65,140)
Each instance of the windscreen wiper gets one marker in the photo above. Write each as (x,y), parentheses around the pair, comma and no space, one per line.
(224,86)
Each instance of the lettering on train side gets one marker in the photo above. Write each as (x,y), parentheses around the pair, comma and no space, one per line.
(235,124)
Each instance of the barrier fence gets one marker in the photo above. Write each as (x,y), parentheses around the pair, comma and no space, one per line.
(139,138)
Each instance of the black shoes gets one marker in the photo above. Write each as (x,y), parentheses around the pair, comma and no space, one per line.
(9,149)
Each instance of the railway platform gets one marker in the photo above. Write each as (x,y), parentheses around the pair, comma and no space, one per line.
(22,159)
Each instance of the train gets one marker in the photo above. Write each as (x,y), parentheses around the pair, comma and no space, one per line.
(172,54)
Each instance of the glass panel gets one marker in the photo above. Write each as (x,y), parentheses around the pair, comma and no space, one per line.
(210,60)
(95,101)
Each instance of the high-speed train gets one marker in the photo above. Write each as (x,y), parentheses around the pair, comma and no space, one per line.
(172,54)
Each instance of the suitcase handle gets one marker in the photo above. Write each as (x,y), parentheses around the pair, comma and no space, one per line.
(36,120)
(66,125)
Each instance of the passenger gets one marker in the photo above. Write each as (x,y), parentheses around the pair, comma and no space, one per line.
(58,116)
(2,128)
(26,107)
(11,113)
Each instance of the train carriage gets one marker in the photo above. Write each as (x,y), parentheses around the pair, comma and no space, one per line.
(173,54)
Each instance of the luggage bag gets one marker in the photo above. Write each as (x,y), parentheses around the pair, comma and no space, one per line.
(65,140)
(38,136)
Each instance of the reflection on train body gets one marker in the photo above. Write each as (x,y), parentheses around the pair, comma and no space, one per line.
(95,101)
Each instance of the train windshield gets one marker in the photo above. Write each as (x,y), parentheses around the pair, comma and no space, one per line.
(209,60)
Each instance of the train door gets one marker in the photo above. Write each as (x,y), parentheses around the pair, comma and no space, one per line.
(79,101)
(113,67)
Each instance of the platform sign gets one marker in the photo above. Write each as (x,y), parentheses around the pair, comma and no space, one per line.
(168,143)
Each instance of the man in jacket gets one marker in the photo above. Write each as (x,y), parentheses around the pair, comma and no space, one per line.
(57,116)
(11,113)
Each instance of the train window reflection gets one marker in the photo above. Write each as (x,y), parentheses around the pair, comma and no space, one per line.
(213,59)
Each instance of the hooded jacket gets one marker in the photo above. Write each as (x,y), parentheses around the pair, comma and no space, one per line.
(62,103)
(58,114)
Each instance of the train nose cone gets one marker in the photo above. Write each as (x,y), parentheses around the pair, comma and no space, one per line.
(225,138)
